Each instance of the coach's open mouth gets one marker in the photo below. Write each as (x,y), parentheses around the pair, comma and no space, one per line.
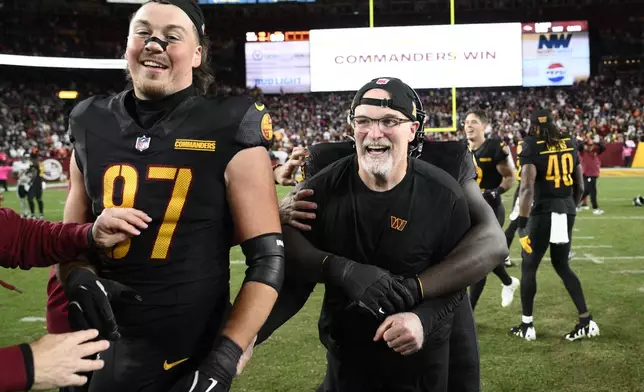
(377,150)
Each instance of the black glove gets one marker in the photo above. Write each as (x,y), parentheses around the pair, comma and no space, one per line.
(371,287)
(493,197)
(414,288)
(90,300)
(216,372)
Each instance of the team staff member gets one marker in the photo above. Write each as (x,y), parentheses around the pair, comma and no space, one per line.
(199,167)
(372,207)
(589,153)
(53,360)
(495,175)
(551,176)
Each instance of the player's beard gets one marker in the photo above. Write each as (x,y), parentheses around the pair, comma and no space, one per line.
(151,89)
(377,165)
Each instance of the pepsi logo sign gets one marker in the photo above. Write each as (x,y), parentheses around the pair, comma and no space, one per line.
(556,72)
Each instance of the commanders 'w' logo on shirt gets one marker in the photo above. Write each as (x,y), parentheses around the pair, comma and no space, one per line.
(398,223)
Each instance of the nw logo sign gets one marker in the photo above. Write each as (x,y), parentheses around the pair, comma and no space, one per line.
(398,224)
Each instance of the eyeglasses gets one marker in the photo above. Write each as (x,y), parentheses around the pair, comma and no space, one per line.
(387,124)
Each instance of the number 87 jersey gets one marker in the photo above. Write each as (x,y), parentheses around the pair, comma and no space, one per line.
(554,179)
(174,172)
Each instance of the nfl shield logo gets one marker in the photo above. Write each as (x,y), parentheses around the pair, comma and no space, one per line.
(142,143)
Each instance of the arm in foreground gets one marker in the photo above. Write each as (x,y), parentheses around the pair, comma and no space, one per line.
(253,203)
(28,243)
(477,253)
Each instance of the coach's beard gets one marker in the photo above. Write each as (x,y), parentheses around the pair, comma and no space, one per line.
(377,159)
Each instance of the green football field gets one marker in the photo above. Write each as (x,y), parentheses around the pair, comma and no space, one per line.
(609,261)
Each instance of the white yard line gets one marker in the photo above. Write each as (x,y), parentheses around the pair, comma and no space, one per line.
(584,238)
(32,319)
(610,217)
(629,272)
(593,258)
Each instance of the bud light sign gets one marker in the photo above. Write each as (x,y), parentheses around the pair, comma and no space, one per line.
(556,72)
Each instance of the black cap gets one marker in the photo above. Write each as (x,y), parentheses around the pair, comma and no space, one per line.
(194,13)
(541,117)
(403,98)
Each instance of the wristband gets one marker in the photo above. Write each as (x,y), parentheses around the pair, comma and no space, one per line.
(522,222)
(28,357)
(500,190)
(90,237)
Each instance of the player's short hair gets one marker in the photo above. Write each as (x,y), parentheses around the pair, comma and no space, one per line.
(203,76)
(480,114)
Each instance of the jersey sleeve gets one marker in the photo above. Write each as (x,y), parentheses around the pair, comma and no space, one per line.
(255,128)
(526,152)
(77,132)
(322,155)
(501,152)
(468,168)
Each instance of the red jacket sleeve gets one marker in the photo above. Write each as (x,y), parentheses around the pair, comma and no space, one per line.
(27,243)
(13,375)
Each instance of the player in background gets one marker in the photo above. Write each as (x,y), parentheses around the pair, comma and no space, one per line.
(199,167)
(495,175)
(551,177)
(35,186)
(514,214)
(21,173)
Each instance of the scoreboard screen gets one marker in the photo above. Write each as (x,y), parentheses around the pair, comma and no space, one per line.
(278,61)
(555,53)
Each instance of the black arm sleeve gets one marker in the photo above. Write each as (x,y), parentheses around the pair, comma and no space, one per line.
(292,298)
(303,260)
(436,312)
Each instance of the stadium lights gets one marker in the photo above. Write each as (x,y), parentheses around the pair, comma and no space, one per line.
(68,94)
(61,62)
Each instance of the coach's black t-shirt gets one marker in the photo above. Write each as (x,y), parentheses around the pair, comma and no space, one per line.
(404,230)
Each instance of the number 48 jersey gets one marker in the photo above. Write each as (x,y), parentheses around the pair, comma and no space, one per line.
(554,180)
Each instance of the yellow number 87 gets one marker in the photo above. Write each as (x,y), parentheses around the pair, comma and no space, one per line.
(182,178)
(555,174)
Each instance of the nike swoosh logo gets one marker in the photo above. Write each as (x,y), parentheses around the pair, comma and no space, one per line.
(168,366)
(259,107)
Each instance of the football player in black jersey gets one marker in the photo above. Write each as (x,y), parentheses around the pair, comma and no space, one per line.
(199,167)
(551,177)
(511,230)
(495,175)
(376,290)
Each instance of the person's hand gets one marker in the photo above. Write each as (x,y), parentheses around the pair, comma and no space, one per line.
(524,239)
(115,225)
(216,372)
(284,173)
(370,287)
(90,300)
(59,358)
(492,197)
(524,234)
(246,356)
(403,333)
(293,209)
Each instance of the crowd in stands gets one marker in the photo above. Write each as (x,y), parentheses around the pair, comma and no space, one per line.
(607,108)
